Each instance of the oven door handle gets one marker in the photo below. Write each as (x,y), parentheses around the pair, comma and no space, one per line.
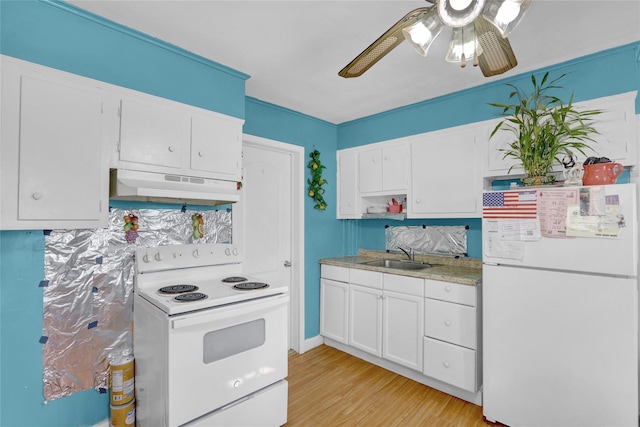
(221,313)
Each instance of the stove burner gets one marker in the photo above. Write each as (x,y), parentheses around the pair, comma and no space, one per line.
(192,296)
(234,279)
(250,286)
(178,289)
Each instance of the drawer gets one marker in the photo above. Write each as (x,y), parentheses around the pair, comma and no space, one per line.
(452,292)
(403,284)
(450,363)
(450,322)
(340,274)
(370,279)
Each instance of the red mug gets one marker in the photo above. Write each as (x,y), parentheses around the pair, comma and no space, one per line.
(601,173)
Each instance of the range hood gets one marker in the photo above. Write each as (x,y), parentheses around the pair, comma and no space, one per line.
(170,188)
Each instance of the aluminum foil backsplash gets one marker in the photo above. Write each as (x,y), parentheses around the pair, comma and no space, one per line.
(428,240)
(88,286)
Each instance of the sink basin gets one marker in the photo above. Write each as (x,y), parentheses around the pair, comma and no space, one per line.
(398,264)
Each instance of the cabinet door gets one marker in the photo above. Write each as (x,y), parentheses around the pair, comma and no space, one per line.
(402,329)
(153,134)
(395,168)
(61,170)
(334,309)
(365,319)
(216,147)
(444,175)
(347,189)
(370,170)
(616,126)
(496,163)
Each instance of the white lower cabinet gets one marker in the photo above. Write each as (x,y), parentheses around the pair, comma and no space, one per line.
(429,326)
(451,329)
(402,329)
(334,303)
(365,319)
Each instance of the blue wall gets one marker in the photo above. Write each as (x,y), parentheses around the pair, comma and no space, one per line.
(60,36)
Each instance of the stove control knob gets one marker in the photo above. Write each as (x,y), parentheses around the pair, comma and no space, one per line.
(158,257)
(196,254)
(227,251)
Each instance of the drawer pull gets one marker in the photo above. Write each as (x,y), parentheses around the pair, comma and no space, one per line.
(446,364)
(447,288)
(447,323)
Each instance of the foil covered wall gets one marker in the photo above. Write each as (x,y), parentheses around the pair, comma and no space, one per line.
(428,240)
(88,301)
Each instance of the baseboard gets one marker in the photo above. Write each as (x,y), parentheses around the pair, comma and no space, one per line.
(310,343)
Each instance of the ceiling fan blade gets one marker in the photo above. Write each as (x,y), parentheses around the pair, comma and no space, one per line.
(383,45)
(497,55)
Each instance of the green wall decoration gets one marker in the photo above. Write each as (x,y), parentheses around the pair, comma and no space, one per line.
(316,181)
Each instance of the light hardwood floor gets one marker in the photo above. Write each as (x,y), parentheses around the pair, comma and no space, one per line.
(328,387)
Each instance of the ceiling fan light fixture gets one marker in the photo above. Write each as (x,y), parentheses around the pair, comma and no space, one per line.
(458,13)
(505,14)
(421,34)
(463,45)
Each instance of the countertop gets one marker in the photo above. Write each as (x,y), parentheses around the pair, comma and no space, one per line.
(465,271)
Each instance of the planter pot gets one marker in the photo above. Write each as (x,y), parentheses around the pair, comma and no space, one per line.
(535,181)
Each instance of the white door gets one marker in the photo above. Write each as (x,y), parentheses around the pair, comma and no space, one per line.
(270,239)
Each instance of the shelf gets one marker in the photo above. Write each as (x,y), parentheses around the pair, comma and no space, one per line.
(385,215)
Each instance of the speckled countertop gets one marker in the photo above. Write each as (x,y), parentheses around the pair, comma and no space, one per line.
(466,271)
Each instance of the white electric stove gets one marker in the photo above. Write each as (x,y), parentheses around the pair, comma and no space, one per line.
(210,343)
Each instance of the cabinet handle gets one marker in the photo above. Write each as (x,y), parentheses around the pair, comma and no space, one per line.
(447,288)
(200,153)
(387,157)
(417,201)
(36,196)
(375,160)
(172,148)
(446,364)
(447,323)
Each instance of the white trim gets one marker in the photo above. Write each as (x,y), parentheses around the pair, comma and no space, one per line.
(297,234)
(311,343)
(104,423)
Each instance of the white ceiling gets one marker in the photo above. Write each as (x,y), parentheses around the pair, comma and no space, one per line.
(293,50)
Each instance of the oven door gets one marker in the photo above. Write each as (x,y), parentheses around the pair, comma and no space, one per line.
(220,355)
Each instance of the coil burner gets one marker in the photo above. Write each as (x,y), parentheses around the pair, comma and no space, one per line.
(190,297)
(178,289)
(234,279)
(250,286)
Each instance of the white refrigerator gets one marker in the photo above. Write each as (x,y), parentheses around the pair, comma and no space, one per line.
(560,306)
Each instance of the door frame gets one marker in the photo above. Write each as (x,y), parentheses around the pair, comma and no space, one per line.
(296,293)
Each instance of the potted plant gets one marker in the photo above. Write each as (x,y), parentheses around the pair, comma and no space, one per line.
(545,129)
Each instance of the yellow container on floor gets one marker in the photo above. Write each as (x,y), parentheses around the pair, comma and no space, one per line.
(122,380)
(123,415)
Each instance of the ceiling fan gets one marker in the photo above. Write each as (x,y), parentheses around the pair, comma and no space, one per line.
(479,30)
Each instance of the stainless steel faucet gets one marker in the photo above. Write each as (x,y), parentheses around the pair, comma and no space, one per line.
(408,253)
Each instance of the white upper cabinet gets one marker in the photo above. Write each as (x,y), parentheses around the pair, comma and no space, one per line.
(347,185)
(153,134)
(54,166)
(617,138)
(383,169)
(445,180)
(159,135)
(216,145)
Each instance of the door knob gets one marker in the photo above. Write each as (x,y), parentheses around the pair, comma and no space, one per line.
(287,263)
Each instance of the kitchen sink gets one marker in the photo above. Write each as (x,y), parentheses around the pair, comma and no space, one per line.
(398,264)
